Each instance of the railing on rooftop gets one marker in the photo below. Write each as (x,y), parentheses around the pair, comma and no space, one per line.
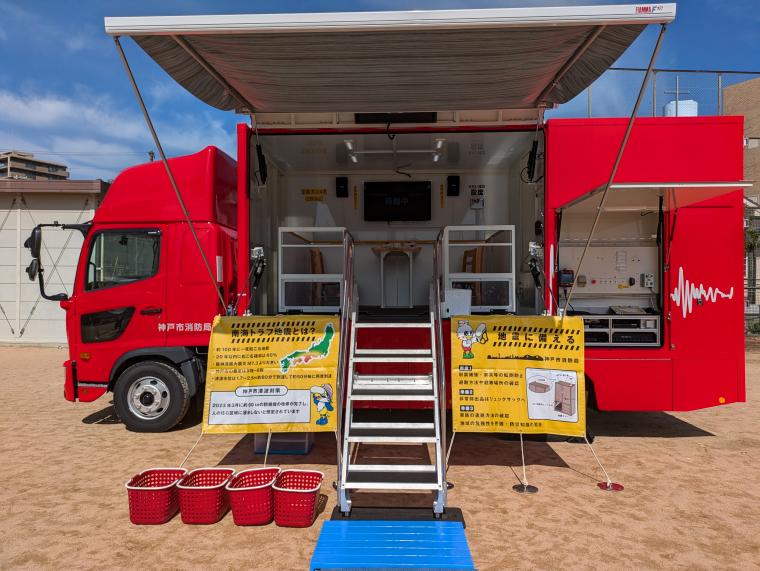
(669,92)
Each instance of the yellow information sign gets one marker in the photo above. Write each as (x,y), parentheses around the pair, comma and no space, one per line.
(272,374)
(518,374)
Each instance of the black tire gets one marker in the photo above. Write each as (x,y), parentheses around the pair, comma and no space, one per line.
(159,381)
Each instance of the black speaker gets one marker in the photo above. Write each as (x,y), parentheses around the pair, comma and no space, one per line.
(452,185)
(341,186)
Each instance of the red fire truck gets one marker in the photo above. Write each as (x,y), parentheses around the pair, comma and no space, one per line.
(413,131)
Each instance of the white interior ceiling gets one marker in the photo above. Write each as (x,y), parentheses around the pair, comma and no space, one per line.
(460,152)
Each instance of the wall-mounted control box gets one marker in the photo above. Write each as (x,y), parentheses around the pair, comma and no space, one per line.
(647,280)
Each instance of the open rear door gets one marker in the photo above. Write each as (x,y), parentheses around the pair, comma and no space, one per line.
(701,258)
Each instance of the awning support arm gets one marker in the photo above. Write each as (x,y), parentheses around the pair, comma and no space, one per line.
(246,106)
(570,63)
(615,166)
(173,181)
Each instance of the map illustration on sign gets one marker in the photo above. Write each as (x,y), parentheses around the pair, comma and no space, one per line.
(552,394)
(319,349)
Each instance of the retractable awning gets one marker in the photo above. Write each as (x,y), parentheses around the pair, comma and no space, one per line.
(511,58)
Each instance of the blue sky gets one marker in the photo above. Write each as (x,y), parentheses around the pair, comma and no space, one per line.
(63,89)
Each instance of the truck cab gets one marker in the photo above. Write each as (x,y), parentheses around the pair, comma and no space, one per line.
(139,318)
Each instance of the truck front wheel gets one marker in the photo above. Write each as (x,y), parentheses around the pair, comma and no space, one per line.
(151,396)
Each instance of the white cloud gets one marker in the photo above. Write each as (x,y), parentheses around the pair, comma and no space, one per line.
(98,138)
(76,42)
(97,114)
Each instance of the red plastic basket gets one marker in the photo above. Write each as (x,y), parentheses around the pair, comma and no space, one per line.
(202,497)
(251,496)
(153,497)
(296,497)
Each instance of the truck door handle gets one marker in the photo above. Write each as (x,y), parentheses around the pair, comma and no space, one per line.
(150,311)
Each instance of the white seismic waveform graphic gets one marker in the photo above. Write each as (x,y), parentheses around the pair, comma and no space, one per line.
(686,292)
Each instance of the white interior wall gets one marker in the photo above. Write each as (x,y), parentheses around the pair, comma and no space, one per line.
(446,211)
(623,249)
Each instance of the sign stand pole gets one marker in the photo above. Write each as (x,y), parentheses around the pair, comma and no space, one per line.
(266,451)
(523,487)
(191,449)
(609,485)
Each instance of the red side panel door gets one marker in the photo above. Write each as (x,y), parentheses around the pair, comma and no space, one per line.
(120,298)
(704,302)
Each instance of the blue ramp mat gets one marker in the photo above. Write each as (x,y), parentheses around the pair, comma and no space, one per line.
(417,545)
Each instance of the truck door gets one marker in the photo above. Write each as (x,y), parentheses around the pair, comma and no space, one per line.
(120,298)
(705,303)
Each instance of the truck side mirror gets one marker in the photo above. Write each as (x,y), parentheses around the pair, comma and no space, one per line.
(34,242)
(33,269)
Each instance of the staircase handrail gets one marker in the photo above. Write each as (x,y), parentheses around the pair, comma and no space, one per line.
(346,308)
(441,371)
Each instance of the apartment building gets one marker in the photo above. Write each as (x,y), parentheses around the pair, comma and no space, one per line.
(20,165)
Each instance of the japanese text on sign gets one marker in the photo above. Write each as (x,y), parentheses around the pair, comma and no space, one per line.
(518,374)
(272,373)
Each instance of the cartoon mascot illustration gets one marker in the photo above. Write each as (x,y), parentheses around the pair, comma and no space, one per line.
(467,336)
(323,397)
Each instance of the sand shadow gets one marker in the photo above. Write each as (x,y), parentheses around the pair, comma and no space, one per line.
(104,416)
(483,449)
(642,425)
(324,451)
(108,416)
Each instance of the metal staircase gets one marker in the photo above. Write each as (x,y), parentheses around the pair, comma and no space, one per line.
(390,389)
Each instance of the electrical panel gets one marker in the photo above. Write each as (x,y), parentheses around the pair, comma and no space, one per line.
(612,270)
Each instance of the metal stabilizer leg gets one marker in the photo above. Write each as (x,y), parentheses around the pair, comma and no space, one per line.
(523,487)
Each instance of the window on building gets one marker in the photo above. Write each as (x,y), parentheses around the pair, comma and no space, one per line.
(52,169)
(121,257)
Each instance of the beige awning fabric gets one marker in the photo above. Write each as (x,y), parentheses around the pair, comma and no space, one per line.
(512,58)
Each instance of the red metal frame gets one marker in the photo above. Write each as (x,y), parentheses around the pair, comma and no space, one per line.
(243,215)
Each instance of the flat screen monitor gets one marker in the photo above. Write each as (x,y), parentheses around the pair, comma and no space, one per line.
(397,201)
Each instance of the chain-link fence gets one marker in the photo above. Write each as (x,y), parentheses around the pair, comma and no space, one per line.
(670,92)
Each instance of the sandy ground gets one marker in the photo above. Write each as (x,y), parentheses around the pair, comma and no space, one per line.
(691,500)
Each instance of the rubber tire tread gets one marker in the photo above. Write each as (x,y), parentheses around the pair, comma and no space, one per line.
(174,380)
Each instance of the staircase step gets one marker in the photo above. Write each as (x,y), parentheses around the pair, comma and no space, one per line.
(391,480)
(389,357)
(391,468)
(383,381)
(392,395)
(393,425)
(386,325)
(395,352)
(393,434)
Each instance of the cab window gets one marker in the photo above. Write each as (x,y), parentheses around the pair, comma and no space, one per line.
(120,257)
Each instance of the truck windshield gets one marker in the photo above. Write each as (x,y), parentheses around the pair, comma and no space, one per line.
(121,257)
